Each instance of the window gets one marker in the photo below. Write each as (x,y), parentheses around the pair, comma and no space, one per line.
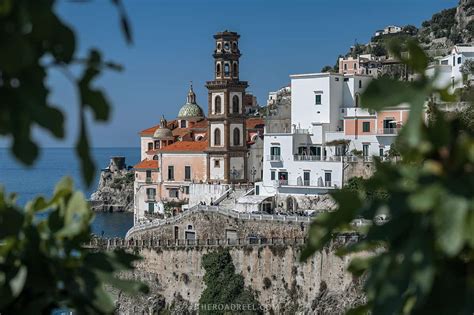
(234,45)
(226,45)
(217,105)
(236,136)
(317,99)
(183,123)
(327,179)
(226,69)
(345,66)
(235,104)
(171,172)
(186,190)
(236,72)
(187,173)
(219,46)
(366,126)
(306,178)
(454,60)
(150,146)
(360,84)
(217,137)
(218,69)
(157,144)
(150,193)
(275,151)
(217,163)
(272,175)
(257,190)
(155,157)
(174,193)
(151,207)
(357,100)
(381,151)
(355,66)
(459,60)
(148,175)
(365,150)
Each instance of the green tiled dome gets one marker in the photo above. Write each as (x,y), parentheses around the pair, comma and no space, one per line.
(191,109)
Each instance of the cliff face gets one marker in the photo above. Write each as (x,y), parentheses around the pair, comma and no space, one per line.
(115,190)
(282,284)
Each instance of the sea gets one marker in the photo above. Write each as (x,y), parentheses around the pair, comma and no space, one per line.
(55,163)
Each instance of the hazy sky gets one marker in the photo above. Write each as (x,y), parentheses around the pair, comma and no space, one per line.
(173,45)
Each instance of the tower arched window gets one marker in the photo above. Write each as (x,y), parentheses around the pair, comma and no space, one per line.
(236,70)
(217,105)
(357,100)
(217,137)
(218,69)
(226,70)
(236,136)
(235,104)
(234,46)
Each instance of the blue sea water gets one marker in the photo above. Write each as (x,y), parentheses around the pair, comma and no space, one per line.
(55,163)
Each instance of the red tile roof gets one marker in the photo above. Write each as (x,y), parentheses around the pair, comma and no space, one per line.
(150,131)
(200,124)
(252,123)
(180,132)
(186,146)
(147,164)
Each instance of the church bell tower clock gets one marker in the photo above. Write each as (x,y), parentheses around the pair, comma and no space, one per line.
(227,149)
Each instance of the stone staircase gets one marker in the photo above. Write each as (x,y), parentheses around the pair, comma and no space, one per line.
(229,202)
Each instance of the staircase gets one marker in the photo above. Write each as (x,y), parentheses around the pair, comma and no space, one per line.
(229,202)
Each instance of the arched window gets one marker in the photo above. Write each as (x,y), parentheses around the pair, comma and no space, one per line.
(217,137)
(236,136)
(234,45)
(235,104)
(226,69)
(217,105)
(236,70)
(218,69)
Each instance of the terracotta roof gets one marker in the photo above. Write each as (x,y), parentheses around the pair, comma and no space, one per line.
(252,123)
(150,131)
(200,124)
(186,146)
(147,164)
(180,132)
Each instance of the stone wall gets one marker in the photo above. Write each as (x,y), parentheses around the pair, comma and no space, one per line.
(283,285)
(213,225)
(358,169)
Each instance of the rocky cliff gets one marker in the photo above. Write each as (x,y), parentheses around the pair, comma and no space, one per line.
(115,190)
(283,285)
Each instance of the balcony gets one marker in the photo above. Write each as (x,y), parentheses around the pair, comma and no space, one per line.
(299,131)
(388,131)
(283,182)
(309,184)
(306,183)
(148,180)
(317,158)
(274,158)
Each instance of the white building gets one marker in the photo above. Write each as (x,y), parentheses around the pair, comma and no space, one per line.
(390,29)
(448,68)
(324,110)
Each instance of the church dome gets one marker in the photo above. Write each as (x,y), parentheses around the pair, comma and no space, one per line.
(191,109)
(163,133)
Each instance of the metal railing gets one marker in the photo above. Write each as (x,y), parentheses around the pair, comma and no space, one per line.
(148,180)
(306,183)
(304,157)
(300,131)
(273,157)
(388,131)
(151,198)
(142,225)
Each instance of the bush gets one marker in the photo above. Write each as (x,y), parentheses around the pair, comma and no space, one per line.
(224,287)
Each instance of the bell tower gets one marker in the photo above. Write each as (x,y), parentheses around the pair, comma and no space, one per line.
(227,149)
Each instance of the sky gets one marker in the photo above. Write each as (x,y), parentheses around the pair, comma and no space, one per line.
(173,45)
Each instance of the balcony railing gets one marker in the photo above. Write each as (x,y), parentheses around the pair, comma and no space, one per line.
(300,131)
(388,131)
(306,183)
(274,158)
(299,157)
(148,180)
(151,198)
(283,182)
(327,183)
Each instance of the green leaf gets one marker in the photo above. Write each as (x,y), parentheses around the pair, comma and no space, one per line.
(18,282)
(449,219)
(426,198)
(96,100)
(385,92)
(63,42)
(49,118)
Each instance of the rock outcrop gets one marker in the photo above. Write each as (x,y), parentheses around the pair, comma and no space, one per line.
(115,190)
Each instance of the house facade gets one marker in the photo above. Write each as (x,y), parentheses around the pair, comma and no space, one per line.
(328,126)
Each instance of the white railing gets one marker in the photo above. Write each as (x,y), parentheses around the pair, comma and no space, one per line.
(303,157)
(388,131)
(143,226)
